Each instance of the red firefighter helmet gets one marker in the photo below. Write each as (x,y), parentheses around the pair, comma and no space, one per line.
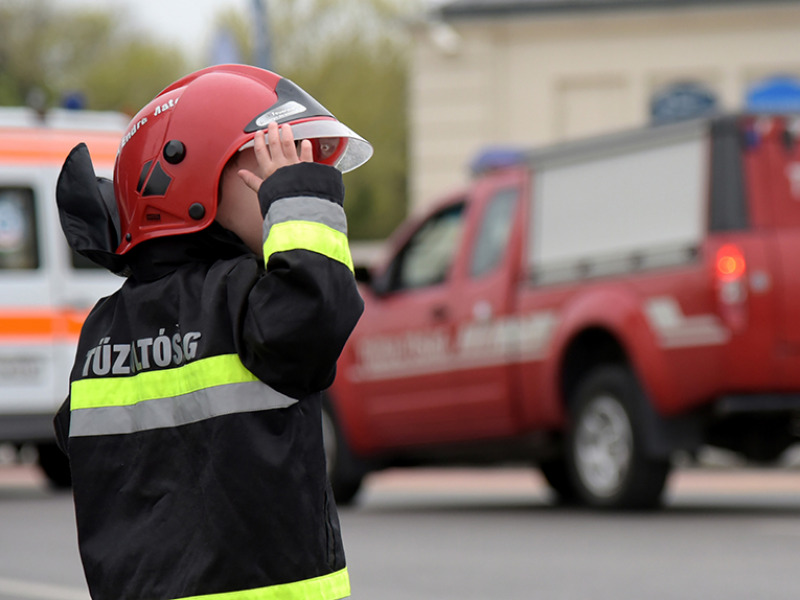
(169,163)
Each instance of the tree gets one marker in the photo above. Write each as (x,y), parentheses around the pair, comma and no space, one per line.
(366,89)
(55,52)
(130,74)
(353,55)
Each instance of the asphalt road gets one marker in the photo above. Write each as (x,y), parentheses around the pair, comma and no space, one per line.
(492,534)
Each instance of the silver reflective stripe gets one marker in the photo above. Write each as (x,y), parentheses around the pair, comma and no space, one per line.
(306,208)
(188,408)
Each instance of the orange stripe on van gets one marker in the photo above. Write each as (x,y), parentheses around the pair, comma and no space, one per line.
(51,146)
(40,325)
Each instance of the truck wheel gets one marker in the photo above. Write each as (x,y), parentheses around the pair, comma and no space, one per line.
(606,459)
(55,466)
(556,474)
(344,472)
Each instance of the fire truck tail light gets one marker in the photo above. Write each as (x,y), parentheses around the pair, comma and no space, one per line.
(730,263)
(729,270)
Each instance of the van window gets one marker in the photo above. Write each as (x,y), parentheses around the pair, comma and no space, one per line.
(728,206)
(492,238)
(19,244)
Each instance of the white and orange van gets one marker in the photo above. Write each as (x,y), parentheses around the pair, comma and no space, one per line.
(46,289)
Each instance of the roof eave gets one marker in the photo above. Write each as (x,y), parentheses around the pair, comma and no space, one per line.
(465,9)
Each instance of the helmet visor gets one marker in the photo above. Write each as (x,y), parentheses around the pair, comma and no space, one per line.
(332,143)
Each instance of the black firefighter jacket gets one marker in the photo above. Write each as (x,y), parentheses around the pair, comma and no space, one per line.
(193,423)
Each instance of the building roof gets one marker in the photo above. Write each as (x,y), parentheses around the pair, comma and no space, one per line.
(458,9)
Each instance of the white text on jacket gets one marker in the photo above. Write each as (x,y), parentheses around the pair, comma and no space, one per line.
(142,354)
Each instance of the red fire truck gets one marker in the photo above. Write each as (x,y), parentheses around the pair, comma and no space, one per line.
(591,308)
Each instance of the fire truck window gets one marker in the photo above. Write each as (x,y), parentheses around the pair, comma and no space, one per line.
(493,236)
(427,257)
(19,245)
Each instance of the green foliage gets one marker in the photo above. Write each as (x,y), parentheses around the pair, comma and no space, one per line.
(367,91)
(350,54)
(54,52)
(129,75)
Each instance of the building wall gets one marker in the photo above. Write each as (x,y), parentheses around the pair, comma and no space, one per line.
(532,80)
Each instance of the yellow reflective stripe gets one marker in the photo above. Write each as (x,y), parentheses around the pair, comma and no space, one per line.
(166,383)
(308,235)
(328,587)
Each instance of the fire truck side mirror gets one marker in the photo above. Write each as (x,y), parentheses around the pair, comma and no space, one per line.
(362,274)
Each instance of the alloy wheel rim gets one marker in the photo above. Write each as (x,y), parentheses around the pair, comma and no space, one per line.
(604,446)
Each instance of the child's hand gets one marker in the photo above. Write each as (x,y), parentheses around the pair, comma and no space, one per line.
(276,151)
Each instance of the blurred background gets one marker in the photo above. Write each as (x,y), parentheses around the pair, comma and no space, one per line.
(532,72)
(118,54)
(431,83)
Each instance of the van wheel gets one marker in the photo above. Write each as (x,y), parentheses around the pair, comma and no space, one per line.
(345,473)
(55,466)
(605,451)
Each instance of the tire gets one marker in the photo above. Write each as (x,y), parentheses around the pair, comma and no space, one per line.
(55,466)
(605,451)
(556,474)
(346,474)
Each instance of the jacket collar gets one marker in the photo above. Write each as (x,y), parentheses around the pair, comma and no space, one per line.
(160,256)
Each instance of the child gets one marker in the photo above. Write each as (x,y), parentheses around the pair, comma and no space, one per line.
(193,423)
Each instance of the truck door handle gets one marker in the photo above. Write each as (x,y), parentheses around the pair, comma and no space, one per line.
(440,312)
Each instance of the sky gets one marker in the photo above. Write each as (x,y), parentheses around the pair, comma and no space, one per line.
(186,23)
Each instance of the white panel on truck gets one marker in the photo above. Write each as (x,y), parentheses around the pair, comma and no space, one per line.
(627,207)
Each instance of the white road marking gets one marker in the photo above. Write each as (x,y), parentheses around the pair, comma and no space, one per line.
(14,588)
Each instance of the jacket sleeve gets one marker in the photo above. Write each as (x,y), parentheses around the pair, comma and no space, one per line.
(61,426)
(302,309)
